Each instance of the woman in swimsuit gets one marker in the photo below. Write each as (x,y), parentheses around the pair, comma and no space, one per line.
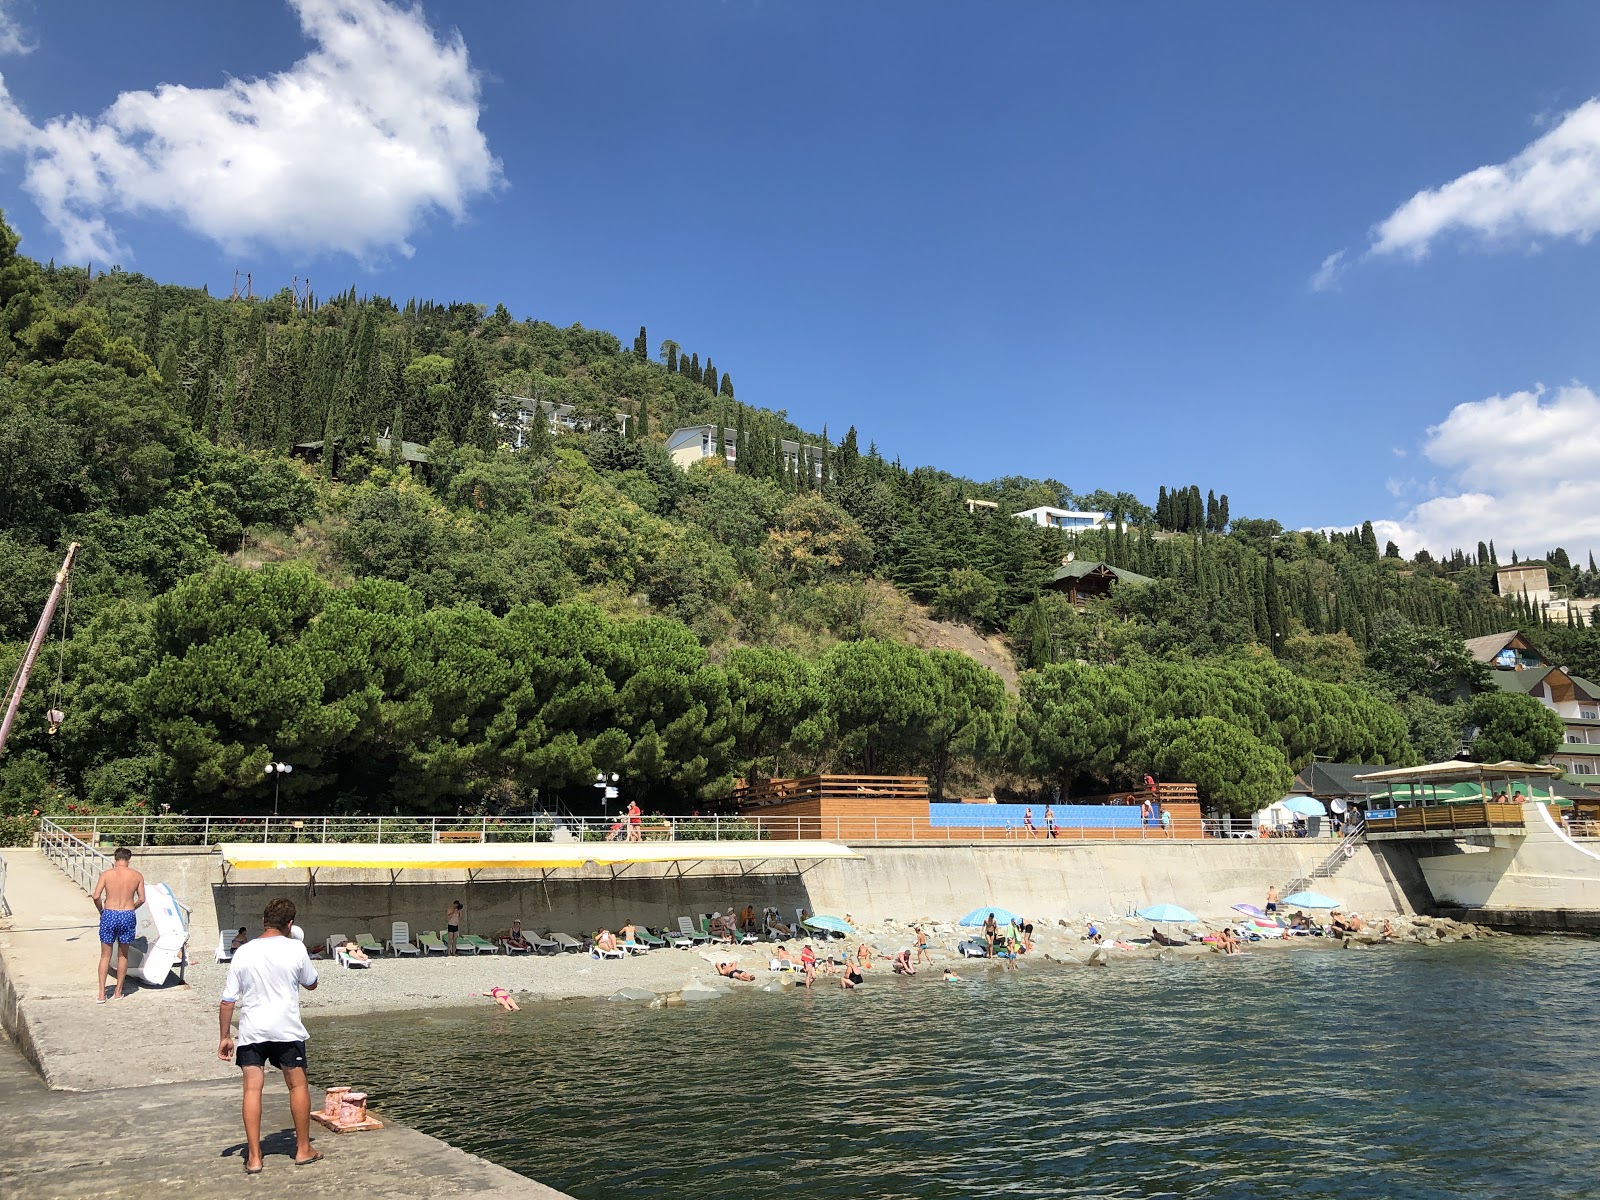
(503,998)
(852,976)
(452,925)
(808,963)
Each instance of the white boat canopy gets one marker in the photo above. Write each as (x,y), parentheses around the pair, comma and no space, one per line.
(1460,772)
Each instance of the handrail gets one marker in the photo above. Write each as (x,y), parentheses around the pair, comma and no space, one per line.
(81,861)
(82,840)
(5,909)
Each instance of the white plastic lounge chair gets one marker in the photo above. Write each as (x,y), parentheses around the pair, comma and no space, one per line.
(335,940)
(566,941)
(224,950)
(509,947)
(596,952)
(686,929)
(400,939)
(431,943)
(370,945)
(479,945)
(542,945)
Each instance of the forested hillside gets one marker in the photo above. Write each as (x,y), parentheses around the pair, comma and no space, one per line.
(486,631)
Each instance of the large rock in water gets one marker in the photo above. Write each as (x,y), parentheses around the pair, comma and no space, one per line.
(633,993)
(692,993)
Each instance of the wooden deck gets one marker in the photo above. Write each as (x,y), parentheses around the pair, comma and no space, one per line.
(1447,820)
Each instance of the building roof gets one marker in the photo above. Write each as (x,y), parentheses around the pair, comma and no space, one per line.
(1079,568)
(1578,748)
(1322,779)
(412,452)
(689,434)
(1485,648)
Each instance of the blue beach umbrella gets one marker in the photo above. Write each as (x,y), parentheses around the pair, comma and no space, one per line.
(1169,913)
(1310,900)
(1002,916)
(1304,806)
(831,924)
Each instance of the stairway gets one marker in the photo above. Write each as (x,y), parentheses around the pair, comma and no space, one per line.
(1342,853)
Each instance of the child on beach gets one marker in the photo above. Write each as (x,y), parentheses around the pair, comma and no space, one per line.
(950,976)
(922,947)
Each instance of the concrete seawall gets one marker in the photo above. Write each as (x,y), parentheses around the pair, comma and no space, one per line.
(137,1101)
(905,881)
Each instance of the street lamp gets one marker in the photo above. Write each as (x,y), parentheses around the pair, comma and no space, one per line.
(277,770)
(608,789)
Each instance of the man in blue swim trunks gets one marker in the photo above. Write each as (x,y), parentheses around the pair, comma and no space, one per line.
(117,893)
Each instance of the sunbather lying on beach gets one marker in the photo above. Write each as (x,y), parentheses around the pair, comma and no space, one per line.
(503,998)
(1162,939)
(730,970)
(353,952)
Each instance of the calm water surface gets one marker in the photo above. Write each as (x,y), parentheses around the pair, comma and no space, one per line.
(1397,1072)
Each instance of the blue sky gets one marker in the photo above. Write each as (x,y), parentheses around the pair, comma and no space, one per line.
(1052,240)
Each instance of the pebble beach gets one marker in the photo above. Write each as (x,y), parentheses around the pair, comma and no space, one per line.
(670,976)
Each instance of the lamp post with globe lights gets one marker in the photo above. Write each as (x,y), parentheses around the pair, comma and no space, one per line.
(277,770)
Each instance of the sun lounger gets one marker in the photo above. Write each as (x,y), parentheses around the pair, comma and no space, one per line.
(224,947)
(595,951)
(686,929)
(542,945)
(649,939)
(479,945)
(431,943)
(565,941)
(369,945)
(509,947)
(400,939)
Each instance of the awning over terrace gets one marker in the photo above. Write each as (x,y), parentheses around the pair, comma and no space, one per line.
(1459,772)
(534,856)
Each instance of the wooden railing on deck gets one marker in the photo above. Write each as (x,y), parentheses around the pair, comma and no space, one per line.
(1445,818)
(845,788)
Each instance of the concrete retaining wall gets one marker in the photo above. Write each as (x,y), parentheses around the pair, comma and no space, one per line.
(908,881)
(1543,869)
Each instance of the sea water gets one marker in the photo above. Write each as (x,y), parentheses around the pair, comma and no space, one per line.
(1461,1070)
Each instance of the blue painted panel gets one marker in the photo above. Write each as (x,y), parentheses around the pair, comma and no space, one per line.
(1000,816)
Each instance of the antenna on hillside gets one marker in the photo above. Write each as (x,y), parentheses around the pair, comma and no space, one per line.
(235,295)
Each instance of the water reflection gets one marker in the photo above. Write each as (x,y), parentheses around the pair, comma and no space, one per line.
(1403,1073)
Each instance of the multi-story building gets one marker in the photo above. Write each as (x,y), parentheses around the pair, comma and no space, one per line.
(1515,666)
(1531,581)
(516,416)
(694,442)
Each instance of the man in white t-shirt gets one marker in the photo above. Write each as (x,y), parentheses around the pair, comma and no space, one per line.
(264,982)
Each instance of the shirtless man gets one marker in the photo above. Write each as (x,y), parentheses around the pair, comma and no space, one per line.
(117,893)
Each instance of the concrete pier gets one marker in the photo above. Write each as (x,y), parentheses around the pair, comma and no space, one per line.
(132,1096)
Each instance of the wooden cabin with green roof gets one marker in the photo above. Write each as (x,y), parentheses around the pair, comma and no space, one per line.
(1081,582)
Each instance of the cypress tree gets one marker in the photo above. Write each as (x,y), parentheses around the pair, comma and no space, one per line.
(469,391)
(741,446)
(727,385)
(152,325)
(540,440)
(1163,509)
(710,379)
(672,358)
(397,435)
(642,422)
(1277,624)
(480,430)
(722,442)
(1492,557)
(1222,512)
(641,346)
(694,366)
(1211,512)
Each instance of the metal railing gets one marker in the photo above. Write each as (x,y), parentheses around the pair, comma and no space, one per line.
(100,833)
(79,858)
(5,909)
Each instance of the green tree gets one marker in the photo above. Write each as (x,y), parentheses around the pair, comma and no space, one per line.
(881,697)
(1232,769)
(1080,721)
(1514,727)
(777,707)
(969,713)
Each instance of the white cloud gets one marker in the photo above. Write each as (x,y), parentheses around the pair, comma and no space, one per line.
(1328,273)
(12,39)
(1520,472)
(1551,189)
(348,150)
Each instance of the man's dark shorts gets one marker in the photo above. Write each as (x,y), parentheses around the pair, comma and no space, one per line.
(285,1056)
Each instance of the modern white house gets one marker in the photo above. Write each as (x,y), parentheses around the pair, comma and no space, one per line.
(690,444)
(1061,518)
(1517,667)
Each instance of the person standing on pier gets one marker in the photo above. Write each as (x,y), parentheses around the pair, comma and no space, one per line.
(117,894)
(264,982)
